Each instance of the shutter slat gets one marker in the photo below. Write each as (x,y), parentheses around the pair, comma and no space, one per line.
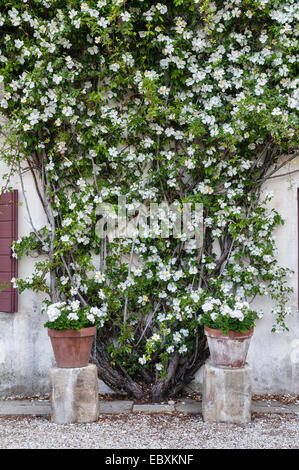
(6,213)
(6,277)
(8,198)
(6,298)
(5,264)
(8,264)
(6,229)
(5,246)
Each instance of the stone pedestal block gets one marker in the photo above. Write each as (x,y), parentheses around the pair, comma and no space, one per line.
(74,395)
(227,395)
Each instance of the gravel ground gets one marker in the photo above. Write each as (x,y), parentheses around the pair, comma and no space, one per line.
(140,431)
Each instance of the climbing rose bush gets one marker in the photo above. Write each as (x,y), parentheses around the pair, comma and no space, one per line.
(180,102)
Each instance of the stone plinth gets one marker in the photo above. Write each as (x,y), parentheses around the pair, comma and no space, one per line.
(227,395)
(74,395)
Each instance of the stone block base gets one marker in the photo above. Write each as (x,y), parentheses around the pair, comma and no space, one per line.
(74,395)
(226,395)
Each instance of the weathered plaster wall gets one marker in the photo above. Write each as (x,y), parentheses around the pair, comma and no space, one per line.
(25,350)
(274,358)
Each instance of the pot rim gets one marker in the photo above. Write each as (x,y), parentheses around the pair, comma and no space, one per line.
(231,334)
(69,333)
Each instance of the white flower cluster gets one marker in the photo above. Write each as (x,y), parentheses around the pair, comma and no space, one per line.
(71,312)
(217,307)
(54,310)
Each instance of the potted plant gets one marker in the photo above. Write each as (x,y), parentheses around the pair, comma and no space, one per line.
(229,325)
(72,329)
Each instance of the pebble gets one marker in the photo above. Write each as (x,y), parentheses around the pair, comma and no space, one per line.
(150,432)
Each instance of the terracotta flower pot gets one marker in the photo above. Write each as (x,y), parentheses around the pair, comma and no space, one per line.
(71,347)
(230,350)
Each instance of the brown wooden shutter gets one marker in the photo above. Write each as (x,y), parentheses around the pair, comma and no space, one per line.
(8,264)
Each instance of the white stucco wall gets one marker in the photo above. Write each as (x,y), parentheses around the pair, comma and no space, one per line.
(274,358)
(25,350)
